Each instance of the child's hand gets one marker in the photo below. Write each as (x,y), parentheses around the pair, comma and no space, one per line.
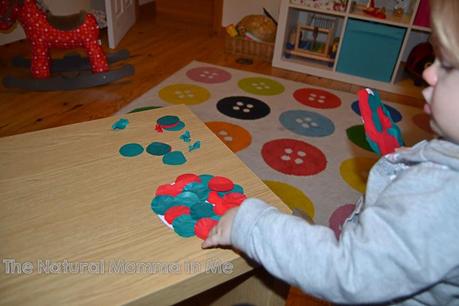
(402,149)
(220,235)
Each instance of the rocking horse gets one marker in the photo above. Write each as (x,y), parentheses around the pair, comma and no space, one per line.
(46,31)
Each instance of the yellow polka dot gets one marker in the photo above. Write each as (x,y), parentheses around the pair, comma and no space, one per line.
(292,196)
(355,171)
(184,94)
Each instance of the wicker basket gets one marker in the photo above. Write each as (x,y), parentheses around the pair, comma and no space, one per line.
(249,48)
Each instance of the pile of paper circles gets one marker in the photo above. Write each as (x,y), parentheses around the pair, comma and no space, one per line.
(193,204)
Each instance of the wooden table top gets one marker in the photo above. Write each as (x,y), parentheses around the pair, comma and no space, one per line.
(74,213)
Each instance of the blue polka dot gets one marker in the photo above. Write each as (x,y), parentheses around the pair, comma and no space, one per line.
(131,150)
(394,114)
(307,123)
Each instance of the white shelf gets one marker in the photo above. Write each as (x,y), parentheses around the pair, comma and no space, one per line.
(420,28)
(316,10)
(398,84)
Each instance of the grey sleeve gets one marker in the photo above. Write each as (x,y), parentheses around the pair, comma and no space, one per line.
(401,245)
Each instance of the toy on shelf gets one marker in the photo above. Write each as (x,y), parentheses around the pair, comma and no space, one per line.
(373,11)
(329,5)
(45,31)
(382,134)
(314,40)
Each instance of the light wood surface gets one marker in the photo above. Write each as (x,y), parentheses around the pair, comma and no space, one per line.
(67,194)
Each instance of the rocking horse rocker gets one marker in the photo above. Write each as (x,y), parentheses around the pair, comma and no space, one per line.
(46,31)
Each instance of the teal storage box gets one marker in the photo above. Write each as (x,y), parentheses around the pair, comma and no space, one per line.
(370,49)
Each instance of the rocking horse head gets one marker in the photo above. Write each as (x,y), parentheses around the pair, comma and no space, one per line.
(9,10)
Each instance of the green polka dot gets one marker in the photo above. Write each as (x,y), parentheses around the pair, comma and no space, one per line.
(216,217)
(145,108)
(356,134)
(131,150)
(174,158)
(168,120)
(160,204)
(199,189)
(202,210)
(158,148)
(261,86)
(205,178)
(187,198)
(184,94)
(184,226)
(237,188)
(178,127)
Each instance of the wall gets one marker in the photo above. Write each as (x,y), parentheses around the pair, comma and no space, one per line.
(235,10)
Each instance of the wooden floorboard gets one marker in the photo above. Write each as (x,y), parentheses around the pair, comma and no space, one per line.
(159,46)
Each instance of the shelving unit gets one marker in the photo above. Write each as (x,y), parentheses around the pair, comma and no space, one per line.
(406,36)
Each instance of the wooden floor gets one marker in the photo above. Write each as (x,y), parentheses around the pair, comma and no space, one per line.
(159,46)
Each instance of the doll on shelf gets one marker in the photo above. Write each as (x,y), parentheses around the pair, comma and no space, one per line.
(372,10)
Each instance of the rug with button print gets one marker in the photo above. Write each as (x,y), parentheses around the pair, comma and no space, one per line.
(306,143)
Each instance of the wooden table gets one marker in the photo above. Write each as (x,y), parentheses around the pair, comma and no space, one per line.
(74,213)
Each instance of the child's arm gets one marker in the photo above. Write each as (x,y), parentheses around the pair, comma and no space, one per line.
(392,252)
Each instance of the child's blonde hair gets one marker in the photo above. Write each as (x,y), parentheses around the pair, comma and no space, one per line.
(445,28)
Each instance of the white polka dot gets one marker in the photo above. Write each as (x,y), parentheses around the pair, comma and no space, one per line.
(222,132)
(236,108)
(228,138)
(288,150)
(239,103)
(301,153)
(285,157)
(246,110)
(298,161)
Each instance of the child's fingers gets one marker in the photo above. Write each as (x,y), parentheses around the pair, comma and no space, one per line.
(212,239)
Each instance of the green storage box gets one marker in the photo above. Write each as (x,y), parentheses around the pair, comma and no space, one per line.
(370,49)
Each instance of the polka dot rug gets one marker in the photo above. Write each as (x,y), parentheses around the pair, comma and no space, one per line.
(305,142)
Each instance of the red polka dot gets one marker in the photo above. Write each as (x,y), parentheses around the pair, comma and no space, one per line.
(204,226)
(338,217)
(233,199)
(185,179)
(168,189)
(176,211)
(317,98)
(214,198)
(220,208)
(220,183)
(293,157)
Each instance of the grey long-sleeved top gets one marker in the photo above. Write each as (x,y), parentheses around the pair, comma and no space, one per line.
(401,244)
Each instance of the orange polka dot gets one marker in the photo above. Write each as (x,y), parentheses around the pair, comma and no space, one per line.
(235,137)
